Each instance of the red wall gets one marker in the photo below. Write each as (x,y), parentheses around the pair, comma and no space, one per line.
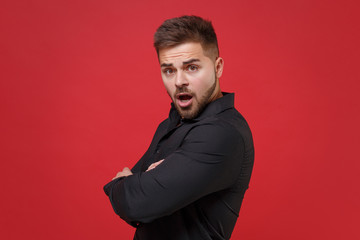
(81,96)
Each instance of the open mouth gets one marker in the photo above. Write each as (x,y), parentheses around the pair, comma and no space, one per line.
(184,99)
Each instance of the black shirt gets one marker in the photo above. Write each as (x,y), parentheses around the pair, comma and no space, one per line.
(197,191)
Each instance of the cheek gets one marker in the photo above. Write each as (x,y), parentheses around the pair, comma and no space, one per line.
(203,82)
(168,87)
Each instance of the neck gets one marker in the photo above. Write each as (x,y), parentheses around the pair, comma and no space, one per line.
(217,93)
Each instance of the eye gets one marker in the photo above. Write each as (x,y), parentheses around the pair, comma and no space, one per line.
(192,68)
(168,71)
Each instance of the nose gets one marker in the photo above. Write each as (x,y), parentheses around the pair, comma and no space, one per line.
(181,79)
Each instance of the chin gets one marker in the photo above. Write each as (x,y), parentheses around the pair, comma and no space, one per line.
(188,114)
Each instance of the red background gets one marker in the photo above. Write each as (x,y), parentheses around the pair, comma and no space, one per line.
(81,96)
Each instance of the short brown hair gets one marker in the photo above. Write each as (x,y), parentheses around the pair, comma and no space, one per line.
(183,29)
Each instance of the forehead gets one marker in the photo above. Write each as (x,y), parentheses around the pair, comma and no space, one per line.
(181,53)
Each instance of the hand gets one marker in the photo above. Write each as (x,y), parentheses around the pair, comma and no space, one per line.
(124,173)
(154,165)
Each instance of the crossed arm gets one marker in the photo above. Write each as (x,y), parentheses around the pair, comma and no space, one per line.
(127,172)
(201,166)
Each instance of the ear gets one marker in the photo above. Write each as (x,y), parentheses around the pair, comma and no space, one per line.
(219,66)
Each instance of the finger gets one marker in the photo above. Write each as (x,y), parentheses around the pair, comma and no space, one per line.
(117,175)
(150,167)
(154,165)
(160,161)
(157,163)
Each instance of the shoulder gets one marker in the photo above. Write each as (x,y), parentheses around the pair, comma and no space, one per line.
(237,123)
(215,132)
(228,127)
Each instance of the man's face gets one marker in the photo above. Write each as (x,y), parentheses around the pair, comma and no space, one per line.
(190,77)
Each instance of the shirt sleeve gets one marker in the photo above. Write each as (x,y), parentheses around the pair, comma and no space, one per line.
(208,161)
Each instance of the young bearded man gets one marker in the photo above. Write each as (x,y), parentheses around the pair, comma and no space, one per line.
(191,181)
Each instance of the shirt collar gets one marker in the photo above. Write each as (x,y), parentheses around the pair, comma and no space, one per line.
(213,108)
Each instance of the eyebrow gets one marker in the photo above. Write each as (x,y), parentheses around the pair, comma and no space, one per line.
(191,61)
(166,65)
(184,63)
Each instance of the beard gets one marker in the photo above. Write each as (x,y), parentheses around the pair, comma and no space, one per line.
(196,107)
